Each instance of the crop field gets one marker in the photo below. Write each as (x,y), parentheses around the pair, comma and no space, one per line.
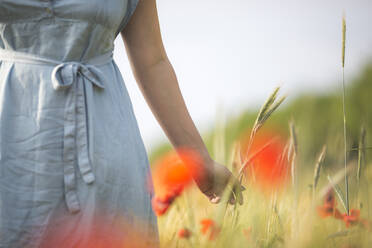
(305,165)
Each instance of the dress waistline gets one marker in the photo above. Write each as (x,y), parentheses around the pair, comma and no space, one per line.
(76,77)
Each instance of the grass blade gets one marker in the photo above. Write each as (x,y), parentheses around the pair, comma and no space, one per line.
(293,151)
(339,193)
(318,166)
(361,152)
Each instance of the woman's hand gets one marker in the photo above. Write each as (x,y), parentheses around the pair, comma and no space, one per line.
(214,180)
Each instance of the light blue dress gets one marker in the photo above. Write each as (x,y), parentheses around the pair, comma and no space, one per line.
(70,148)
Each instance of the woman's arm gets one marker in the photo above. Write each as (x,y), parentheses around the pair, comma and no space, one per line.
(158,84)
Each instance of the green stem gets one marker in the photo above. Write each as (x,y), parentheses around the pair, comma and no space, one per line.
(345,141)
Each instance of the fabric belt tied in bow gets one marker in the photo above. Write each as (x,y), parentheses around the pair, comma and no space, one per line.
(76,78)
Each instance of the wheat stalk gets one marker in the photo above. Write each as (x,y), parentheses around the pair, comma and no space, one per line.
(263,115)
(343,40)
(344,111)
(317,168)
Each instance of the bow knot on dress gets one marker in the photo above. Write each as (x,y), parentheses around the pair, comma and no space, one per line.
(66,73)
(76,78)
(73,76)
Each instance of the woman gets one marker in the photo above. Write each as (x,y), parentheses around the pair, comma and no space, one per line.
(72,162)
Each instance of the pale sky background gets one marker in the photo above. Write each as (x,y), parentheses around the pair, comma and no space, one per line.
(229,55)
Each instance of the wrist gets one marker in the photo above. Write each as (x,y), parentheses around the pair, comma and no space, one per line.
(199,162)
(204,168)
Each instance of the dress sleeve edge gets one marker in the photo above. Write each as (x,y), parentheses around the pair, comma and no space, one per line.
(132,5)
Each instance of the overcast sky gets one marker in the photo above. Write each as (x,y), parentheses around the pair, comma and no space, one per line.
(230,54)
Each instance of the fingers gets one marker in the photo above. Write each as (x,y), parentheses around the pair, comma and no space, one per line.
(237,193)
(234,193)
(215,199)
(240,196)
(212,196)
(240,188)
(234,197)
(230,191)
(232,200)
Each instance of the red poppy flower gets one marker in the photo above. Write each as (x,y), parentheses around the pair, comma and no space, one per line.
(353,218)
(268,166)
(329,206)
(210,228)
(184,233)
(160,206)
(325,211)
(175,170)
(171,174)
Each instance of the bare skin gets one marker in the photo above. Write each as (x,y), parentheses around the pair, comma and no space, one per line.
(158,83)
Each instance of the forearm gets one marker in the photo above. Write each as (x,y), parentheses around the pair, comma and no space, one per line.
(159,85)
